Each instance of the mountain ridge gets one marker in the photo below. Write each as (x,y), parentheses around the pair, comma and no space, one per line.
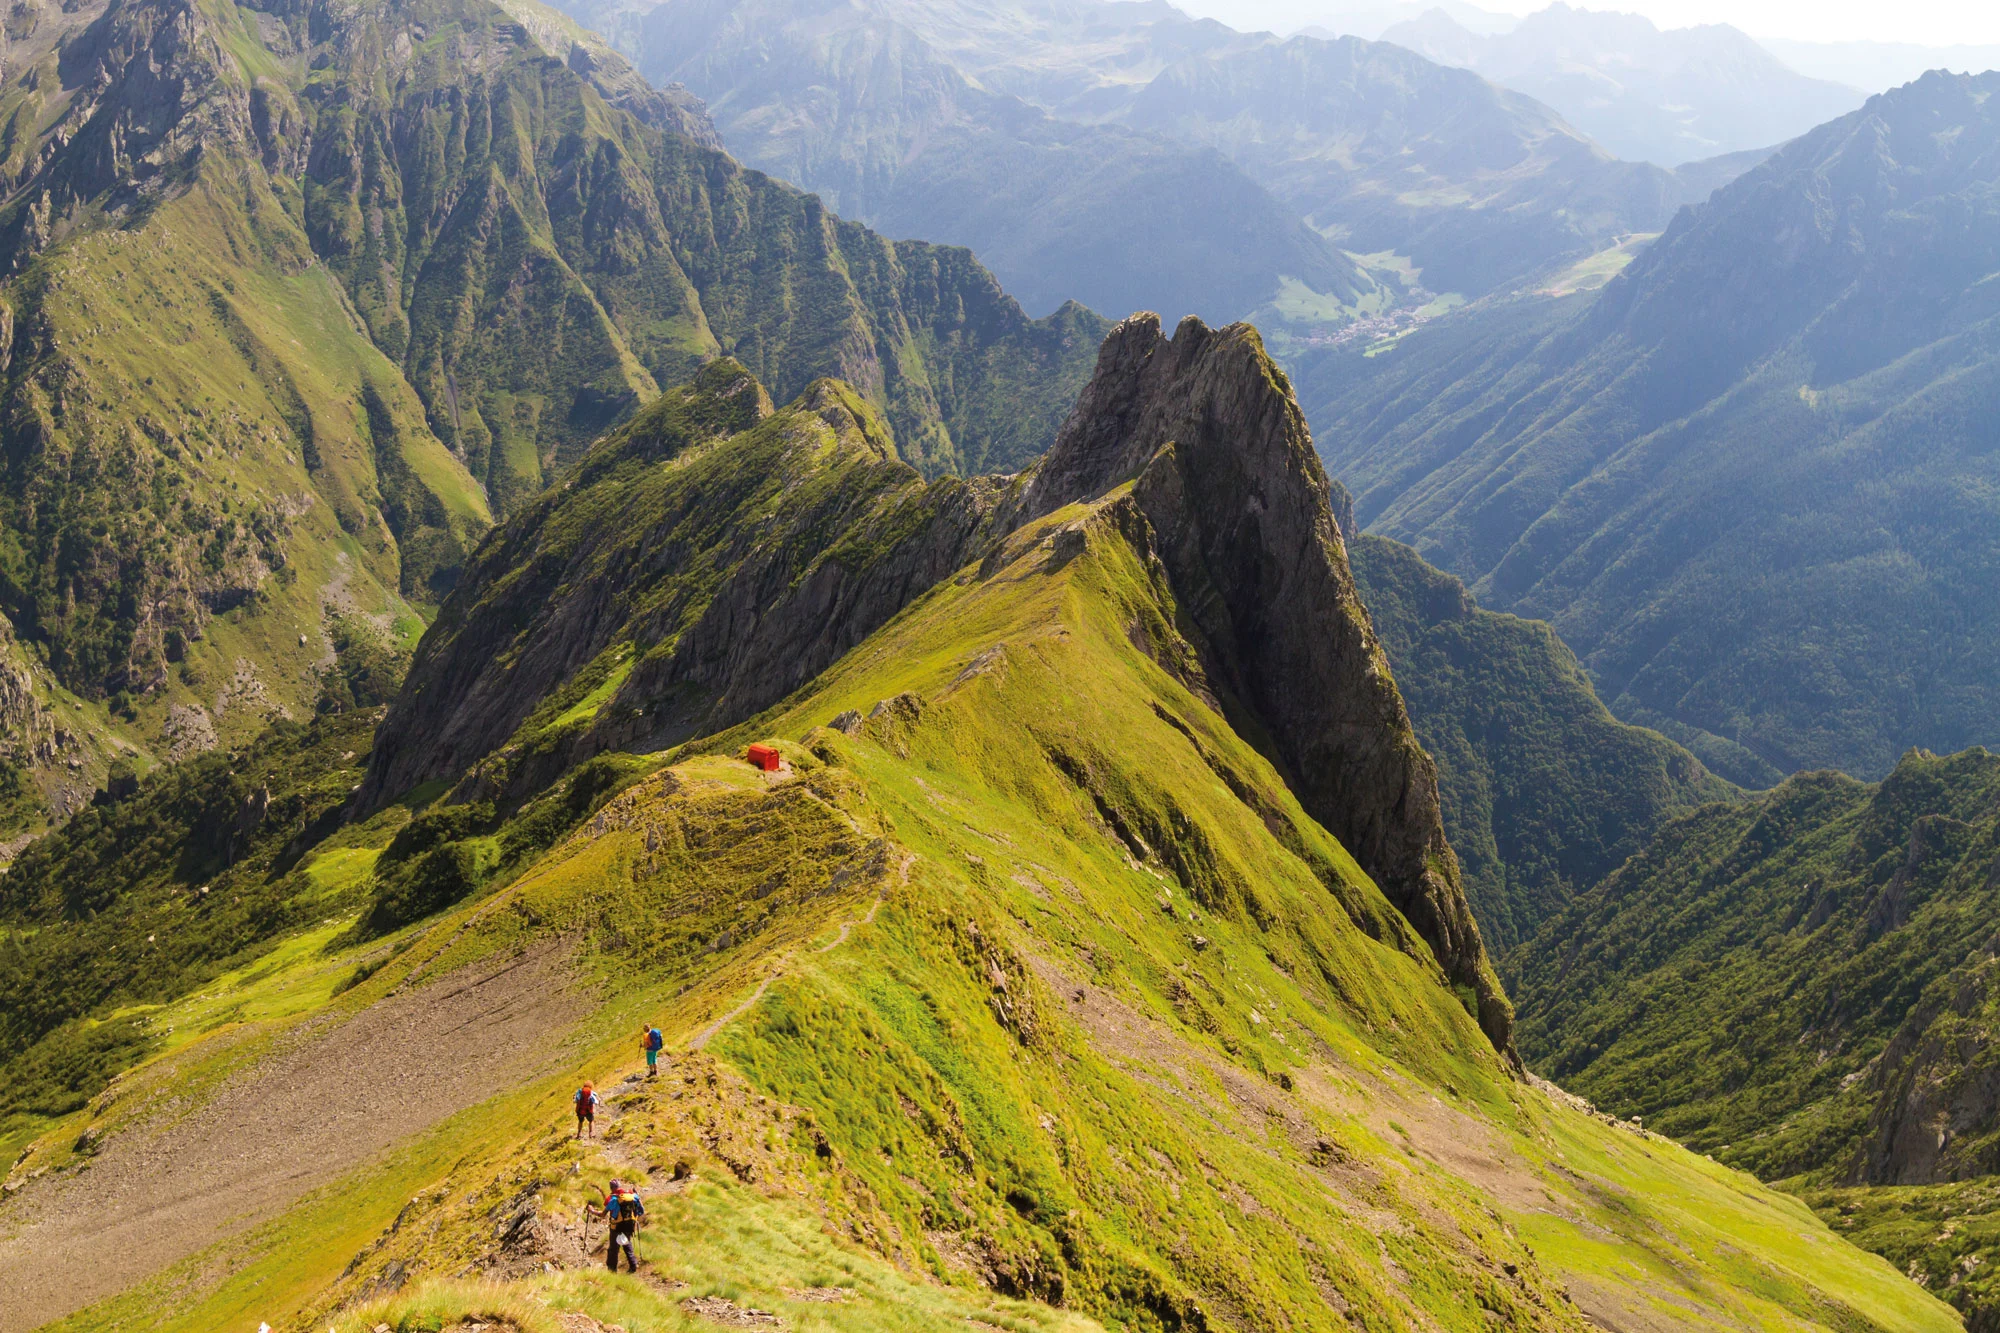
(1023,988)
(1202,412)
(288,320)
(1608,463)
(1668,97)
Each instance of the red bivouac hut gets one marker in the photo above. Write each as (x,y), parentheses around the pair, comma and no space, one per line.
(765,757)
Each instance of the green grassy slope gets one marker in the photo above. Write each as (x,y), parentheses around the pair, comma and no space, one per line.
(208,466)
(1037,985)
(291,305)
(1545,792)
(137,901)
(1803,986)
(1751,481)
(679,597)
(699,564)
(1738,981)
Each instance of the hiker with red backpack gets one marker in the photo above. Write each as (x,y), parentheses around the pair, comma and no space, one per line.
(624,1211)
(652,1043)
(586,1111)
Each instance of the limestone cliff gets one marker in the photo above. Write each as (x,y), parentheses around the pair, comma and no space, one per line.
(1225,472)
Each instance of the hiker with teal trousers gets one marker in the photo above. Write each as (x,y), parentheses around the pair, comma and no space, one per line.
(652,1043)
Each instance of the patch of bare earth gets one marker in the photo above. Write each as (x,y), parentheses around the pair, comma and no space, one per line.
(720,1311)
(1461,1143)
(325,1099)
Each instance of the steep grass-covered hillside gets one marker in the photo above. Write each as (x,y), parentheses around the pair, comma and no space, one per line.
(295,301)
(1802,985)
(1028,992)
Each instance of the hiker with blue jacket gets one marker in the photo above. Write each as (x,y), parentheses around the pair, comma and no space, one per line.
(624,1211)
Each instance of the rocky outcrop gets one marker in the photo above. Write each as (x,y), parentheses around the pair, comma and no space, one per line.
(151,97)
(1207,429)
(772,544)
(1936,1087)
(719,559)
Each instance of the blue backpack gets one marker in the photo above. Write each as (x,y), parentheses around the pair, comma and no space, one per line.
(654,1041)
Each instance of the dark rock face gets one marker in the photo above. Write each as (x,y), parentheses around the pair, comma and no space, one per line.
(1936,1087)
(773,544)
(1226,475)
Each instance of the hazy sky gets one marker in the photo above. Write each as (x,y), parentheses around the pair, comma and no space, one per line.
(1935,22)
(1931,22)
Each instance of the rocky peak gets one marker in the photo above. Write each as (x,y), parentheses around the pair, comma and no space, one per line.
(1207,429)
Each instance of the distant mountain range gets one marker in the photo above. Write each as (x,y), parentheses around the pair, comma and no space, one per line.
(1651,96)
(1126,156)
(854,103)
(1394,153)
(1753,481)
(1866,66)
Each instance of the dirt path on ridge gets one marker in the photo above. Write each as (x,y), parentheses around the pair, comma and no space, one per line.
(333,1095)
(707,1034)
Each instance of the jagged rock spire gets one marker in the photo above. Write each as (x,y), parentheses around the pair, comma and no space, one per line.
(1225,472)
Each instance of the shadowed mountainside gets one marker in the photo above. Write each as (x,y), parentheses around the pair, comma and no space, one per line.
(1749,482)
(1544,791)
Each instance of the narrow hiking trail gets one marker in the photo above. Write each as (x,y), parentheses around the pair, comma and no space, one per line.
(873,908)
(703,1037)
(167,1187)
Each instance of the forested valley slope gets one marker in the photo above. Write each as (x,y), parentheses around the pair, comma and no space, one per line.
(1749,481)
